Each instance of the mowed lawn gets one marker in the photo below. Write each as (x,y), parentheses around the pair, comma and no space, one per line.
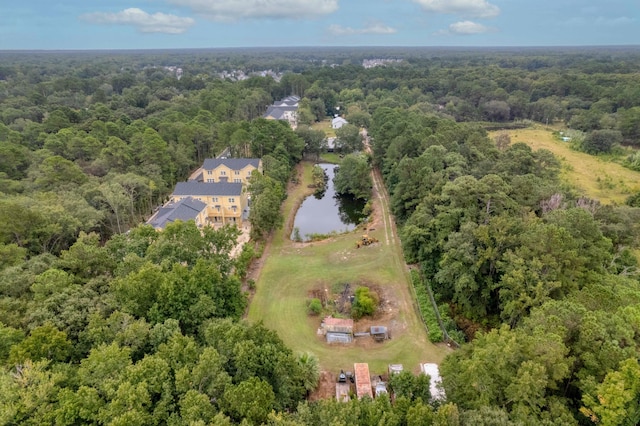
(593,176)
(292,270)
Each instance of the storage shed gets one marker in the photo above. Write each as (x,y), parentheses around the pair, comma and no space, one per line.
(379,333)
(395,369)
(363,380)
(432,370)
(337,330)
(342,392)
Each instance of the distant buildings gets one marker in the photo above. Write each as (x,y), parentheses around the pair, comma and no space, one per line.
(338,122)
(285,109)
(237,170)
(377,62)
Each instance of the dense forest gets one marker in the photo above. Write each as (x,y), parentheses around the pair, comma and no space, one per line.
(106,321)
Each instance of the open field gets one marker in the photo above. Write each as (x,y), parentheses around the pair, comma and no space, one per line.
(593,176)
(291,271)
(325,126)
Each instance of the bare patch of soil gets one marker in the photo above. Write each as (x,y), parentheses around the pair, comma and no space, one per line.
(326,387)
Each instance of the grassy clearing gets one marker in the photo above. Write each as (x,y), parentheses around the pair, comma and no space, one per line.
(325,126)
(596,177)
(292,270)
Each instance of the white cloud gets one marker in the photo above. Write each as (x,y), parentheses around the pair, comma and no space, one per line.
(622,20)
(465,28)
(468,27)
(473,8)
(373,28)
(143,21)
(231,10)
(602,21)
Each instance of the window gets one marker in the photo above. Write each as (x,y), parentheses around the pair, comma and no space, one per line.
(223,173)
(210,180)
(232,200)
(237,172)
(237,180)
(215,199)
(209,172)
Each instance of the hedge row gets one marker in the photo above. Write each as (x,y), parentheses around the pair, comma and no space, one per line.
(426,308)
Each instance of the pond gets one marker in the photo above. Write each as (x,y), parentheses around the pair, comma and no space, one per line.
(327,212)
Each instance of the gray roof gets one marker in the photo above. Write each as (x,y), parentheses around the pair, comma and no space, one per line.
(378,329)
(232,163)
(185,210)
(205,188)
(277,112)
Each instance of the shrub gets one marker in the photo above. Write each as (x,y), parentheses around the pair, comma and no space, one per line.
(314,306)
(364,303)
(251,284)
(426,308)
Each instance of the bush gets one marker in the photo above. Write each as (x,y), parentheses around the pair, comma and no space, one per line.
(601,141)
(296,235)
(365,303)
(314,306)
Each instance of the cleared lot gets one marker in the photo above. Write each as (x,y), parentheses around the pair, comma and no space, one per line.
(292,271)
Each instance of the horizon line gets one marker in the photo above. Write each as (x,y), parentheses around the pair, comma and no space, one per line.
(577,46)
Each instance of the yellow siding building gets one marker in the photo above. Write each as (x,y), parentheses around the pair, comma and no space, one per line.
(231,170)
(226,202)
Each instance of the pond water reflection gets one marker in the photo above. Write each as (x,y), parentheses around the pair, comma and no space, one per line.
(327,212)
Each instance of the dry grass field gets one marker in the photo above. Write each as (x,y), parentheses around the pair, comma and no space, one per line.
(596,177)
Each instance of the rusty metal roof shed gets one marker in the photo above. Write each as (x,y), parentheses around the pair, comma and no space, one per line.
(363,380)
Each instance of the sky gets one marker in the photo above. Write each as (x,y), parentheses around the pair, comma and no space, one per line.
(165,24)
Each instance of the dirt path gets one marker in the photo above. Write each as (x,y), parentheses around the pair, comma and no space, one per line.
(380,196)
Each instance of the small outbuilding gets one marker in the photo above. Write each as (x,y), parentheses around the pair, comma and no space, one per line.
(331,144)
(395,369)
(435,384)
(363,380)
(342,392)
(379,333)
(338,122)
(337,330)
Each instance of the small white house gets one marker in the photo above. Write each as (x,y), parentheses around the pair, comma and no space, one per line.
(338,122)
